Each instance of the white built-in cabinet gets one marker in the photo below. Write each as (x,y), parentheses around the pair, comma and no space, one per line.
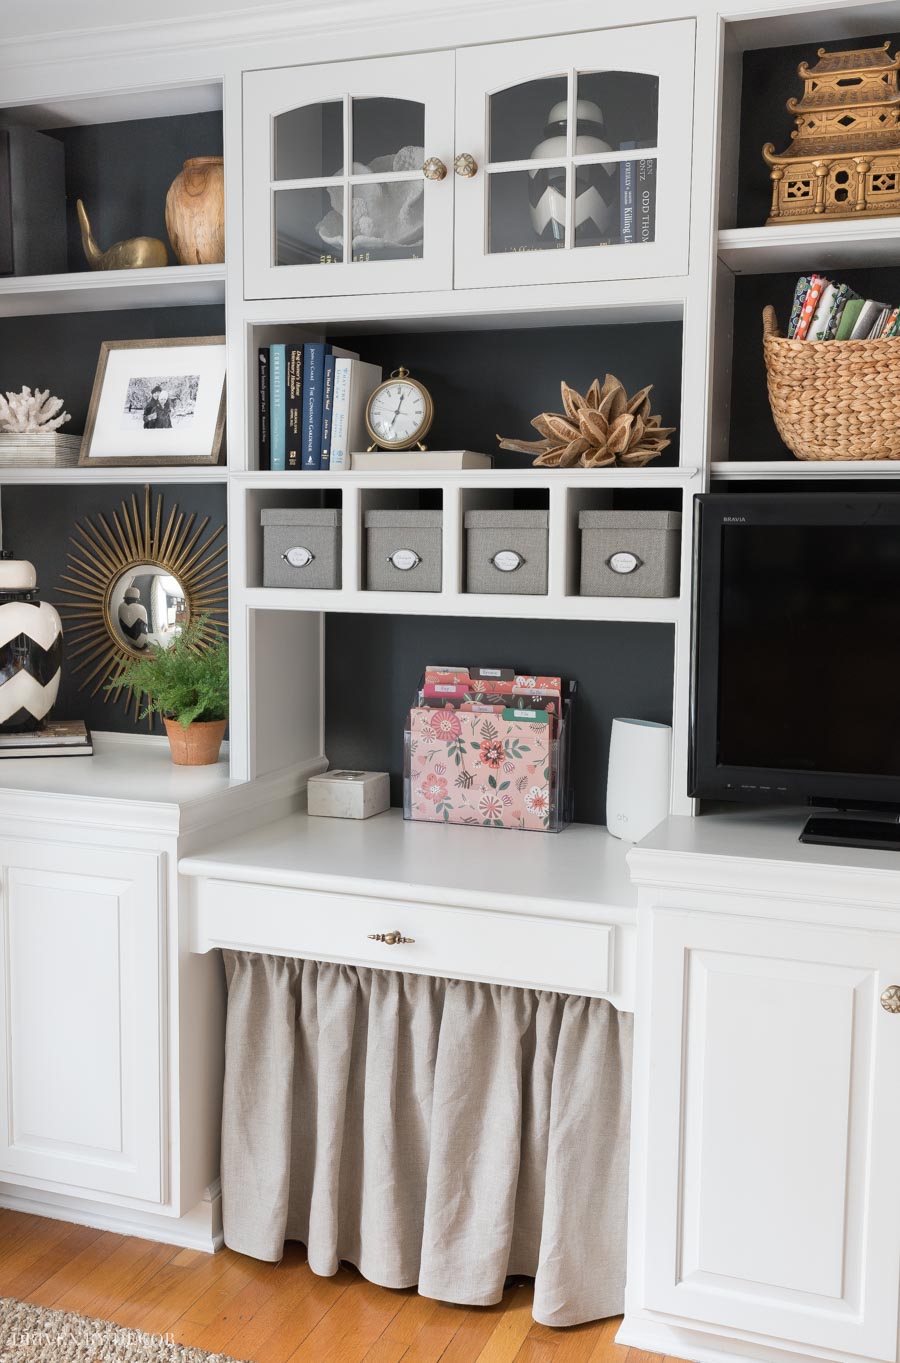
(767,1101)
(554,160)
(81,1015)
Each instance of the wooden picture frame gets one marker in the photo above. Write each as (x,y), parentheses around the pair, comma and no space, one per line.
(121,416)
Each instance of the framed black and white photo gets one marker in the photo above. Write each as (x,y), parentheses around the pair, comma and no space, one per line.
(157,402)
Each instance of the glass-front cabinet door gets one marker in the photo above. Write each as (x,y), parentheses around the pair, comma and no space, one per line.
(346,183)
(573,157)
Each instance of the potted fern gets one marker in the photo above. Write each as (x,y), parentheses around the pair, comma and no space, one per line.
(187,684)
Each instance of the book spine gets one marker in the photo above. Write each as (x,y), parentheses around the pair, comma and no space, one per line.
(265,453)
(327,409)
(645,201)
(277,394)
(626,198)
(340,414)
(294,411)
(313,368)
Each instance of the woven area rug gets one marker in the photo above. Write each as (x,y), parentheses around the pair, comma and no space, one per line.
(32,1334)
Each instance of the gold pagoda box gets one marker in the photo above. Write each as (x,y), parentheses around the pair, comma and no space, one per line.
(844,156)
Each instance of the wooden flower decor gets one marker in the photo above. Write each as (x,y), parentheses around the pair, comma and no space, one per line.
(601,429)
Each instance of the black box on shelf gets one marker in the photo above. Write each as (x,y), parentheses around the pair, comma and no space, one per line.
(32,203)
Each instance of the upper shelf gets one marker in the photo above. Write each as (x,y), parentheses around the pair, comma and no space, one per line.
(778,469)
(111,290)
(143,473)
(507,479)
(836,243)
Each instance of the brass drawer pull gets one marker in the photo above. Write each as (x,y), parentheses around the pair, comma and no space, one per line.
(465,165)
(890,999)
(390,939)
(434,168)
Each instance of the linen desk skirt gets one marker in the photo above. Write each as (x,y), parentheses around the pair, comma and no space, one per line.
(429,1131)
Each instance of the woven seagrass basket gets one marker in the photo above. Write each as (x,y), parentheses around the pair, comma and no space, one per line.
(834,399)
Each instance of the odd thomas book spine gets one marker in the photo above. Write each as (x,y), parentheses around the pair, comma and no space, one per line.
(313,369)
(327,409)
(645,201)
(294,414)
(265,453)
(277,395)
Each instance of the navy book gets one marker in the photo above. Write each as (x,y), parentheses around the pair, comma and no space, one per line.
(313,402)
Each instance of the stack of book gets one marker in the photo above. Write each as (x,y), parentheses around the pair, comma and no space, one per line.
(312,404)
(637,199)
(826,311)
(58,738)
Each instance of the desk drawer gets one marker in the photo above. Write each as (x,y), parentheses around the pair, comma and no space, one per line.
(502,948)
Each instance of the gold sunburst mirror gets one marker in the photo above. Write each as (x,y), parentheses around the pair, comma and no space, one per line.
(135,584)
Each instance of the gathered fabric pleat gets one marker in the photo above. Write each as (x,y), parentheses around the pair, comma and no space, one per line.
(436,1132)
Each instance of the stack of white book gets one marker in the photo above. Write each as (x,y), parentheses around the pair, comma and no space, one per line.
(38,449)
(58,738)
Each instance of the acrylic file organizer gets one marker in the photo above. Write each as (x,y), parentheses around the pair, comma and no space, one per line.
(464,767)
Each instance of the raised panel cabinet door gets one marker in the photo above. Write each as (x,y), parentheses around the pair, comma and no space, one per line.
(336,199)
(773,1183)
(574,157)
(80,1009)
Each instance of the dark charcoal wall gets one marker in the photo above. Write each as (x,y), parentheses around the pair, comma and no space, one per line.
(37,525)
(61,352)
(122,171)
(373,664)
(486,383)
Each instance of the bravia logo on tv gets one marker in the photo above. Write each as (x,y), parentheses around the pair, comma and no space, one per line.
(734,520)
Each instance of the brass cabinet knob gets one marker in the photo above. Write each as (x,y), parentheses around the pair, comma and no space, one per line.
(390,939)
(434,168)
(890,999)
(465,165)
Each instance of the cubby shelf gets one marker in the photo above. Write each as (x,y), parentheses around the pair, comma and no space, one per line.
(512,479)
(111,290)
(786,469)
(838,243)
(655,610)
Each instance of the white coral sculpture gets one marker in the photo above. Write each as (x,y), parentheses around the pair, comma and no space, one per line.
(27,411)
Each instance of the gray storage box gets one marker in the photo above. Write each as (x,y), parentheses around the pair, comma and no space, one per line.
(301,547)
(506,551)
(403,551)
(629,553)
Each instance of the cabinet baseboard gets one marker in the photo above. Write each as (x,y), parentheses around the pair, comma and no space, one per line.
(200,1228)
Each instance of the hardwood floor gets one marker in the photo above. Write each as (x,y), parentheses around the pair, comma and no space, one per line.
(276,1313)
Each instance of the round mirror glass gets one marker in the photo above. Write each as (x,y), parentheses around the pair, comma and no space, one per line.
(147,608)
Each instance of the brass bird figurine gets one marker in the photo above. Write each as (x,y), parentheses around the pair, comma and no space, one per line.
(602,428)
(137,253)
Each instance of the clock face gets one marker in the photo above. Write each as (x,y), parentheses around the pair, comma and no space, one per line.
(397,413)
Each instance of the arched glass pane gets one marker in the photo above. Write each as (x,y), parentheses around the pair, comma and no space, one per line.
(388,135)
(619,109)
(529,120)
(309,141)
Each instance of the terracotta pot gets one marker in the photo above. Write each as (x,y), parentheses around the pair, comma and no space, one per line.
(196,746)
(195,212)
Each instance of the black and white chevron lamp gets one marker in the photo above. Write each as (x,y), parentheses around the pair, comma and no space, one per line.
(30,648)
(596,185)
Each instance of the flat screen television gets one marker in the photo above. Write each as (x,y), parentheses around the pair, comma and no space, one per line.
(795,692)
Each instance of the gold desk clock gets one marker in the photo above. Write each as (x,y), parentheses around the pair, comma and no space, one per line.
(399,413)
